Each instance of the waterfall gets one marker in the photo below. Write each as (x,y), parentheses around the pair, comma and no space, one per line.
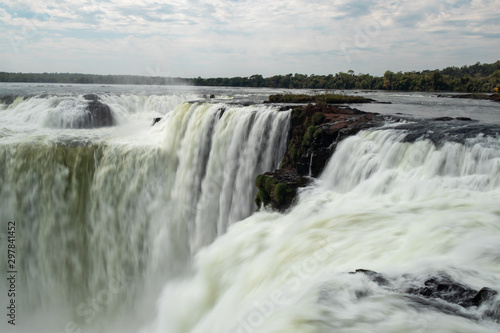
(130,204)
(141,228)
(408,210)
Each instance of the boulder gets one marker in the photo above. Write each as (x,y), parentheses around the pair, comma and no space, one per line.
(7,99)
(441,293)
(99,114)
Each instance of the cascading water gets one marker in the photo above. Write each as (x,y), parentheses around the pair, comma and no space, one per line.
(408,210)
(106,216)
(132,228)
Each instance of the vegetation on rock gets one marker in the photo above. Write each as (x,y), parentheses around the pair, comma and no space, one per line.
(318,99)
(315,131)
(270,190)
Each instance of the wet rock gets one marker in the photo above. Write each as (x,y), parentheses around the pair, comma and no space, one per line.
(221,111)
(99,114)
(443,119)
(314,134)
(482,296)
(374,276)
(91,97)
(491,97)
(279,188)
(451,119)
(7,99)
(443,287)
(441,293)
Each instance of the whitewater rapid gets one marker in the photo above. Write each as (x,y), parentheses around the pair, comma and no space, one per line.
(406,210)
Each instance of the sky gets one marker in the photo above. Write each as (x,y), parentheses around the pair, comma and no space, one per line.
(226,38)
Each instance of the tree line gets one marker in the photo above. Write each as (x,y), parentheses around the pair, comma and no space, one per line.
(91,79)
(475,78)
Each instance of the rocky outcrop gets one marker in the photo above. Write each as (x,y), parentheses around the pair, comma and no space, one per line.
(491,97)
(314,134)
(7,99)
(279,188)
(451,119)
(441,293)
(99,114)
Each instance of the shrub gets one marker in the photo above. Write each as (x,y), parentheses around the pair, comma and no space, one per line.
(318,118)
(306,141)
(279,193)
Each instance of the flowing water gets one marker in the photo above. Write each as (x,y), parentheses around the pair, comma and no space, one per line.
(140,228)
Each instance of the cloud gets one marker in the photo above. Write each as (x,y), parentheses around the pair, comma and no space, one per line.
(244,37)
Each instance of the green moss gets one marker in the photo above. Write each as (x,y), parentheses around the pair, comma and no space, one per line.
(317,133)
(318,118)
(279,193)
(259,181)
(262,198)
(270,191)
(269,184)
(306,141)
(297,114)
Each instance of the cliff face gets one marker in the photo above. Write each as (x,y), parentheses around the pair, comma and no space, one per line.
(314,134)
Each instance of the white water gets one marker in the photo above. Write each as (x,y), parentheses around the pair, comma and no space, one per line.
(396,208)
(106,216)
(133,228)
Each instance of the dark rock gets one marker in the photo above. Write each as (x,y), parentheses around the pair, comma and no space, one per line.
(443,119)
(221,111)
(7,99)
(374,276)
(99,114)
(314,134)
(91,97)
(450,119)
(443,287)
(491,97)
(155,120)
(441,132)
(279,188)
(482,296)
(441,293)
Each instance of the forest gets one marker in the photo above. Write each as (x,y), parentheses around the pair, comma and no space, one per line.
(472,79)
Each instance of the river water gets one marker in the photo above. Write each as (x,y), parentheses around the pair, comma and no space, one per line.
(140,228)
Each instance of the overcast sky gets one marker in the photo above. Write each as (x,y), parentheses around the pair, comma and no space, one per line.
(212,38)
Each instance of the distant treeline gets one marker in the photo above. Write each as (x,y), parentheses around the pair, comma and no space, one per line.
(474,78)
(91,78)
